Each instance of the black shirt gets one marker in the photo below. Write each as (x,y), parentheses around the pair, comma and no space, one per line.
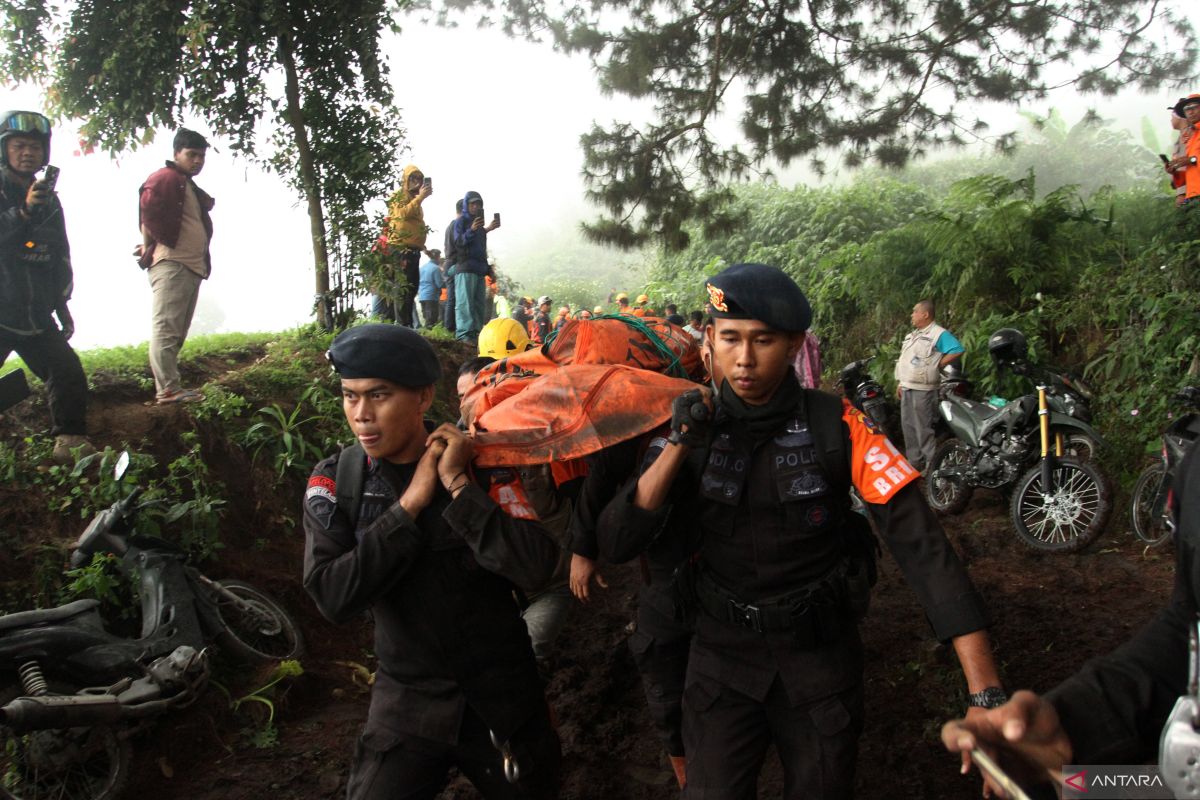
(447,630)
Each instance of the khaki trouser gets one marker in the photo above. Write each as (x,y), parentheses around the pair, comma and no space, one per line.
(176,289)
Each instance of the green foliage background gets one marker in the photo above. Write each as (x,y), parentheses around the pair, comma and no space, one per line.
(1100,273)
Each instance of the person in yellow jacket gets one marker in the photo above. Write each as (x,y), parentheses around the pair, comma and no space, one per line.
(406,237)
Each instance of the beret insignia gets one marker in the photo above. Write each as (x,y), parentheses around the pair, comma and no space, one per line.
(716,297)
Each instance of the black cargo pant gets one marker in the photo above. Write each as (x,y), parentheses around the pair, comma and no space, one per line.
(49,356)
(448,306)
(727,735)
(411,261)
(660,650)
(402,767)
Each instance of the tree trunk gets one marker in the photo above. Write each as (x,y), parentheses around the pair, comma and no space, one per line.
(308,180)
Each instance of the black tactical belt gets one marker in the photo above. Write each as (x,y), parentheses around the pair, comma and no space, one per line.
(815,613)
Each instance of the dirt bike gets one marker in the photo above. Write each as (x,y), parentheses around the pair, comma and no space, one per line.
(1148,509)
(74,693)
(867,395)
(1041,446)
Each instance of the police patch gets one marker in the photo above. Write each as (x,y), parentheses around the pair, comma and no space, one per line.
(321,486)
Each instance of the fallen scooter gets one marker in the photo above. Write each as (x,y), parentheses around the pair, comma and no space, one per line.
(74,693)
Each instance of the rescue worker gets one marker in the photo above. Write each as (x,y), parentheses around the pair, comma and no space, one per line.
(543,499)
(623,304)
(542,323)
(660,639)
(784,566)
(401,525)
(643,309)
(1187,163)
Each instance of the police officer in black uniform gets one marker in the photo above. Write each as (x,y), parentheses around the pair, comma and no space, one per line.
(419,543)
(783,566)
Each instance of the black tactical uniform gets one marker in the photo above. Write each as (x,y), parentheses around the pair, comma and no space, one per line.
(661,639)
(455,662)
(780,580)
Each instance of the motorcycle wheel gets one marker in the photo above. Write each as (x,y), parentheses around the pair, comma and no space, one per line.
(948,496)
(64,764)
(1070,517)
(261,632)
(1147,528)
(1080,447)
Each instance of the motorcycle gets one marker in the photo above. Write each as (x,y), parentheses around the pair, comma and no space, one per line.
(1040,445)
(867,395)
(1148,508)
(74,693)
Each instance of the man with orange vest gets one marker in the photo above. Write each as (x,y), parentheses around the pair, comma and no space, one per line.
(1189,108)
(643,310)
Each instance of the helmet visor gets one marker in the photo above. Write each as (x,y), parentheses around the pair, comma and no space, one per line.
(26,122)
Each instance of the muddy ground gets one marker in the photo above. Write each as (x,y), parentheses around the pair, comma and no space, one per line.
(1051,613)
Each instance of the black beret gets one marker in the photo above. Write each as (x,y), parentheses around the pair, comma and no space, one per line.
(757,291)
(391,352)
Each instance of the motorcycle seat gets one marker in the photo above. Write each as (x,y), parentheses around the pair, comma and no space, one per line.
(46,616)
(981,411)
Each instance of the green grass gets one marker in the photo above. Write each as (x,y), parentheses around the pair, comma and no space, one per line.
(133,359)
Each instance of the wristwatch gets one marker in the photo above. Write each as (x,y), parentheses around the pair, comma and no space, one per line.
(991,697)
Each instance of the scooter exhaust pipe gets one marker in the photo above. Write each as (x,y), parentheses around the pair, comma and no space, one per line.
(60,711)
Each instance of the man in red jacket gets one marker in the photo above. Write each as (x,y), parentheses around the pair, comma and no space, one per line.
(176,230)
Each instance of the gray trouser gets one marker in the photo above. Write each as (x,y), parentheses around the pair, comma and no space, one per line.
(175,289)
(545,618)
(918,410)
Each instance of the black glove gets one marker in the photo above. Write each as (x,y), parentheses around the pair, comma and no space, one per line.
(65,321)
(689,419)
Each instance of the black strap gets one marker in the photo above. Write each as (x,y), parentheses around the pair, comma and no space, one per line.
(351,466)
(824,413)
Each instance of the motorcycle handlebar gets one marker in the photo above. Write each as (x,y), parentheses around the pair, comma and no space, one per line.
(124,507)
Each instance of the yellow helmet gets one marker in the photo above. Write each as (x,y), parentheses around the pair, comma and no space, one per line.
(642,299)
(503,337)
(598,310)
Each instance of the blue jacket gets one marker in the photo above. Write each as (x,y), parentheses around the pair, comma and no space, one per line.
(431,282)
(470,246)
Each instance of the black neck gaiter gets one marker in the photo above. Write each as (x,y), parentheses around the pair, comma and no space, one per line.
(767,419)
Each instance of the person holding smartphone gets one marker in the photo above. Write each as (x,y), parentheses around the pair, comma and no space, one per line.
(406,237)
(36,278)
(470,289)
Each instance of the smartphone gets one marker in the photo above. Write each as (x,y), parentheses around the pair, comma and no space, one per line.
(429,182)
(50,179)
(496,218)
(1163,158)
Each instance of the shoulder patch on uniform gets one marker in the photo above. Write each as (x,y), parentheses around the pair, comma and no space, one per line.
(876,466)
(321,486)
(511,496)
